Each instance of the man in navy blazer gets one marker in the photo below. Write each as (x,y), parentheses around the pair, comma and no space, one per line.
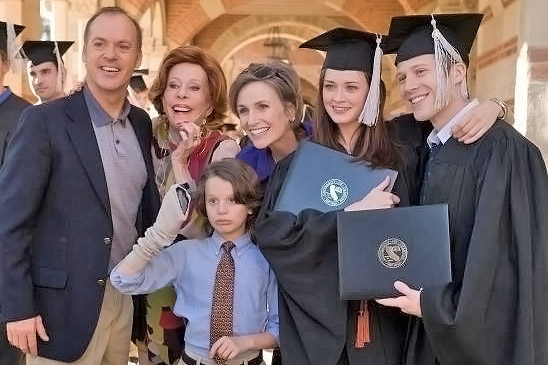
(77,187)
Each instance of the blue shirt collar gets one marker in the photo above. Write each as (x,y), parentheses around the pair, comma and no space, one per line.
(241,243)
(98,115)
(5,94)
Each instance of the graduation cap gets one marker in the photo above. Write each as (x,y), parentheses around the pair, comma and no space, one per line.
(449,37)
(38,52)
(351,49)
(8,33)
(136,82)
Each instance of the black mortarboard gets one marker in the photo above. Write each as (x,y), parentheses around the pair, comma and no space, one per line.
(8,32)
(449,37)
(347,49)
(411,35)
(351,49)
(38,52)
(137,83)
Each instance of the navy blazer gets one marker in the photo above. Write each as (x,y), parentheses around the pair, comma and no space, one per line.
(56,222)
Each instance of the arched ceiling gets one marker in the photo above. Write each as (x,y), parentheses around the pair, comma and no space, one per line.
(234,30)
(186,18)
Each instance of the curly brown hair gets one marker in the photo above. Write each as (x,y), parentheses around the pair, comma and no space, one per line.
(245,183)
(216,81)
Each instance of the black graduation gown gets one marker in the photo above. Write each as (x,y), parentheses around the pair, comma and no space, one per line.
(315,325)
(494,312)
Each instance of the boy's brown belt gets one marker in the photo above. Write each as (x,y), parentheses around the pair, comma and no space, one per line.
(255,361)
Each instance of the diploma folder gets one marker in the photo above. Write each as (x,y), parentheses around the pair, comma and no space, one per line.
(324,179)
(378,247)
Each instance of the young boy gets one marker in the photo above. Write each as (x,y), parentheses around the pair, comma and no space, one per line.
(229,321)
(493,313)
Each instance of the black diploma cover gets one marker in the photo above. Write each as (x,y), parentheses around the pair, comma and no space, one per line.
(378,247)
(324,179)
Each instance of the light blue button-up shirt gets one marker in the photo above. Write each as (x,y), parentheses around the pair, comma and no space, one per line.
(190,266)
(5,94)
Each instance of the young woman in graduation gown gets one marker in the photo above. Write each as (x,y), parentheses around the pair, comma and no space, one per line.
(267,100)
(316,327)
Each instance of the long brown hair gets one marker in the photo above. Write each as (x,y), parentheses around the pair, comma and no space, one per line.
(373,144)
(245,184)
(215,79)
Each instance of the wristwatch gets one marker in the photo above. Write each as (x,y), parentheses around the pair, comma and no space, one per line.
(503,106)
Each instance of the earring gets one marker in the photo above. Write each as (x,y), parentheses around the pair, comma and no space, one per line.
(203,128)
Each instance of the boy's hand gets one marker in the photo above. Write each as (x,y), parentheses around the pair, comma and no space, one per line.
(229,347)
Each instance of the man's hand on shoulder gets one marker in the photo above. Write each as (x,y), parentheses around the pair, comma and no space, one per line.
(22,334)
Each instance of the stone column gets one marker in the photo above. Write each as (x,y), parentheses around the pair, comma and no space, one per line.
(80,11)
(60,14)
(62,29)
(531,95)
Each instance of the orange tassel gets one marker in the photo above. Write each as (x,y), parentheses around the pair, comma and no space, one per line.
(362,329)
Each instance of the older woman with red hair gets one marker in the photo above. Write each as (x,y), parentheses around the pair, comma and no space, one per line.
(190,94)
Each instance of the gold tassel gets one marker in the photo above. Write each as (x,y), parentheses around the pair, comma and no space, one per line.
(363,336)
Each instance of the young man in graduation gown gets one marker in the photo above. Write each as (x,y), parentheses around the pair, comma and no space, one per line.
(316,326)
(494,311)
(45,68)
(11,105)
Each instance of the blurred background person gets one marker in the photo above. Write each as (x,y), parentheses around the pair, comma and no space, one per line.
(231,130)
(46,70)
(138,92)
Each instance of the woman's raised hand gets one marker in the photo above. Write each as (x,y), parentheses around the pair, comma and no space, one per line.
(190,139)
(377,198)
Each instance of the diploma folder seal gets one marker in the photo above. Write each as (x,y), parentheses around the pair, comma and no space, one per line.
(324,179)
(378,247)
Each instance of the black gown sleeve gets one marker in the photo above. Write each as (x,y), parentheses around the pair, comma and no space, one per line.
(409,137)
